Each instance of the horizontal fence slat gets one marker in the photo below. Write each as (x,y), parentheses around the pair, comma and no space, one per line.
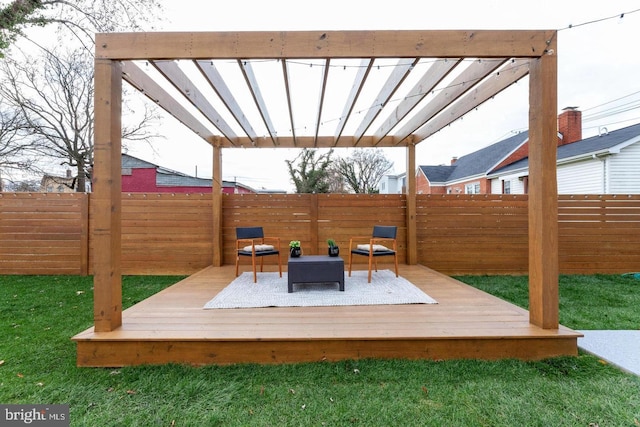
(166,233)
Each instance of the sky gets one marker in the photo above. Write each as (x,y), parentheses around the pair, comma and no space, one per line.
(598,63)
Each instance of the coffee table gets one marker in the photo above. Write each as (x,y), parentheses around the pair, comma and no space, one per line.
(315,269)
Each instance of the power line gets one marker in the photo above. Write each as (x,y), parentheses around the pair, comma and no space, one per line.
(614,100)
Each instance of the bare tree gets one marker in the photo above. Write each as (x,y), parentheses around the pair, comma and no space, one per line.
(55,96)
(336,182)
(79,19)
(13,132)
(363,169)
(310,173)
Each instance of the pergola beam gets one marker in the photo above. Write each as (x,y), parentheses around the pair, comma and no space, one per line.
(325,44)
(315,142)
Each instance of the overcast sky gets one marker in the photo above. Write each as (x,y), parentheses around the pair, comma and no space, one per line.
(598,65)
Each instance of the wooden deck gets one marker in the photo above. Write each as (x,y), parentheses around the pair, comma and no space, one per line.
(172,327)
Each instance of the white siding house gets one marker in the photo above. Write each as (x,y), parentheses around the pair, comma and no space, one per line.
(392,184)
(582,177)
(624,170)
(604,164)
(508,184)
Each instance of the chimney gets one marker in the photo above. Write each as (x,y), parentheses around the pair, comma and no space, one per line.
(453,160)
(570,125)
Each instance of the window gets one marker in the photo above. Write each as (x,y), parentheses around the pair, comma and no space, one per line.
(506,187)
(473,188)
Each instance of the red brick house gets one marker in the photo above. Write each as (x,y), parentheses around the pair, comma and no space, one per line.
(140,176)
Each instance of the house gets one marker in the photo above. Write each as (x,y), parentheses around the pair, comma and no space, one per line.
(393,184)
(608,163)
(140,176)
(605,164)
(468,174)
(58,184)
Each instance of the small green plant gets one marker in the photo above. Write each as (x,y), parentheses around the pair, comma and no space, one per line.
(331,242)
(294,244)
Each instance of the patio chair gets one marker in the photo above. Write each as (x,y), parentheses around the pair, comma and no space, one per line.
(382,242)
(251,242)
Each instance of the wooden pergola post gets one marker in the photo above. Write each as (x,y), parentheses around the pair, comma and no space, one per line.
(216,198)
(543,192)
(107,196)
(412,244)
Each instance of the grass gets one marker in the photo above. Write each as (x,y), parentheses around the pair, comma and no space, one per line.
(37,365)
(586,301)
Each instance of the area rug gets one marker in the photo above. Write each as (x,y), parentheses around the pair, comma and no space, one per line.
(271,291)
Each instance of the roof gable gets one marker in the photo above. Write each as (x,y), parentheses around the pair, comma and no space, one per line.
(586,147)
(437,173)
(130,162)
(477,163)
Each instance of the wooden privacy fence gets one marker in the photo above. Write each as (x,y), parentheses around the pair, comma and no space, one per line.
(165,233)
(312,219)
(45,233)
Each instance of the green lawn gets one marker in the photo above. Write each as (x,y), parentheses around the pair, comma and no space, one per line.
(586,301)
(37,365)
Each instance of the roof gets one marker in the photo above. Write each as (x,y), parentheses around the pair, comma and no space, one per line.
(169,178)
(586,147)
(130,162)
(437,173)
(479,162)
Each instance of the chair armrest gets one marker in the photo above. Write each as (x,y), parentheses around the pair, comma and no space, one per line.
(244,242)
(384,240)
(275,240)
(358,238)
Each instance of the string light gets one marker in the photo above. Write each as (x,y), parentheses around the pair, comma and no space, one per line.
(619,17)
(600,20)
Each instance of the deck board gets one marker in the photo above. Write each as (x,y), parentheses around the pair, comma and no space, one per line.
(172,327)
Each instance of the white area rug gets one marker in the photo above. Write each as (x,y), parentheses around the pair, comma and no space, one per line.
(271,291)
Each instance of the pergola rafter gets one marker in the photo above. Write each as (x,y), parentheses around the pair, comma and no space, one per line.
(486,63)
(254,88)
(436,73)
(218,84)
(356,89)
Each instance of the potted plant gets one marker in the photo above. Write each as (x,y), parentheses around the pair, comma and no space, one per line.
(294,248)
(334,250)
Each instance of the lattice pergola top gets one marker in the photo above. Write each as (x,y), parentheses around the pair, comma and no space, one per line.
(322,89)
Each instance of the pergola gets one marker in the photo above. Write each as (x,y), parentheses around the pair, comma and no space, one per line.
(438,77)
